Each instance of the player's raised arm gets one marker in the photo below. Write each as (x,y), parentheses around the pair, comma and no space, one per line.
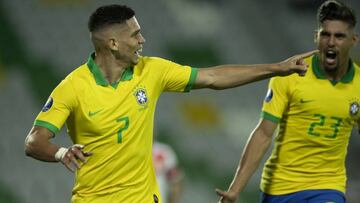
(228,76)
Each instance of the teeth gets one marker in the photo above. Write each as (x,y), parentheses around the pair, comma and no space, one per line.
(138,51)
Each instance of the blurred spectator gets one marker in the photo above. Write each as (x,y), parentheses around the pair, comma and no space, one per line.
(168,174)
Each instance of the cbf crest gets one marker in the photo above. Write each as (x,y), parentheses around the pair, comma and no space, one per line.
(141,97)
(354,107)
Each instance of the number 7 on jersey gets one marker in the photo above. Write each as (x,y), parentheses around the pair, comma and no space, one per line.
(122,119)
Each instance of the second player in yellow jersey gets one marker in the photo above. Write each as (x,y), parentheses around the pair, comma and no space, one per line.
(315,119)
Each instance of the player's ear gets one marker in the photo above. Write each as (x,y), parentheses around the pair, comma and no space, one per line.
(356,39)
(113,44)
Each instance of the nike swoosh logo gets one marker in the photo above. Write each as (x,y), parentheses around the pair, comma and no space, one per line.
(91,114)
(305,101)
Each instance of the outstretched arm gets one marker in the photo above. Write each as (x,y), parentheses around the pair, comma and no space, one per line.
(228,76)
(37,145)
(258,143)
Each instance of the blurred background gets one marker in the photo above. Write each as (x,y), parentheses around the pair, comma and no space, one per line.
(41,41)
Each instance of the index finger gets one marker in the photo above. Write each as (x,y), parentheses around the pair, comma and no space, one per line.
(307,54)
(219,192)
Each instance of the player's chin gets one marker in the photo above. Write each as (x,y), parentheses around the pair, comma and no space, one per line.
(135,59)
(330,67)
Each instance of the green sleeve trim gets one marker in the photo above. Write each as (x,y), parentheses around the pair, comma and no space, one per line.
(270,117)
(192,79)
(47,125)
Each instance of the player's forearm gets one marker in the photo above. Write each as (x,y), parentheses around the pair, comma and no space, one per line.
(228,76)
(251,158)
(39,148)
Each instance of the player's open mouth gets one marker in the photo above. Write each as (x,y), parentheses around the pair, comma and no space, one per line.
(330,56)
(137,52)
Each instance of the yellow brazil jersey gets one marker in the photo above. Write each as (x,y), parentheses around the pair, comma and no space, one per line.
(115,122)
(315,117)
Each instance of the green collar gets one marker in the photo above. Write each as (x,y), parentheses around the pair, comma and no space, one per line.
(319,73)
(99,77)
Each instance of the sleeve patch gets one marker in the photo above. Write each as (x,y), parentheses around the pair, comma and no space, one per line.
(269,95)
(48,104)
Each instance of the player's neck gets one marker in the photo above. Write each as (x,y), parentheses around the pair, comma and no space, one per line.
(337,74)
(111,68)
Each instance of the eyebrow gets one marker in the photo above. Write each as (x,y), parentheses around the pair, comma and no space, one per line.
(135,32)
(338,34)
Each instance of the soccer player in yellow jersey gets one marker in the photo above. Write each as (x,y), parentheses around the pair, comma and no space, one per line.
(315,115)
(108,105)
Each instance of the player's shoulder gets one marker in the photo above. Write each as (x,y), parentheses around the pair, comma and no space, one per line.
(285,79)
(153,65)
(75,76)
(80,72)
(150,60)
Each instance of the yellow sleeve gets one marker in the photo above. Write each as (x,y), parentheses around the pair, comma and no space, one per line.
(58,107)
(177,78)
(276,99)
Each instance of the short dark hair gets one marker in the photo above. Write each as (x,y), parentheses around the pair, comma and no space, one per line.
(336,10)
(109,14)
